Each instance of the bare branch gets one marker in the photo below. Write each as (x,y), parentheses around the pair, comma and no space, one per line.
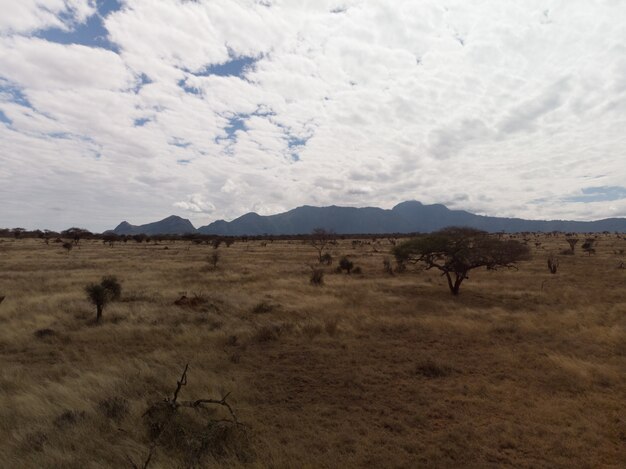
(179,384)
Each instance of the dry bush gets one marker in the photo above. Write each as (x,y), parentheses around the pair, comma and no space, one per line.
(114,408)
(432,369)
(263,307)
(317,277)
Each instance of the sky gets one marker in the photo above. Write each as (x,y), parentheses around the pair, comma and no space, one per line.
(134,110)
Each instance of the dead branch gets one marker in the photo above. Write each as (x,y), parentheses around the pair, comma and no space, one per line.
(175,404)
(179,384)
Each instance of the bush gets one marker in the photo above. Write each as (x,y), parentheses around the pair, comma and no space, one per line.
(317,277)
(99,294)
(387,266)
(213,259)
(114,408)
(326,259)
(431,369)
(346,264)
(262,308)
(114,287)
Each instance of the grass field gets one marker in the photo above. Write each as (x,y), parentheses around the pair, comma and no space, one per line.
(523,369)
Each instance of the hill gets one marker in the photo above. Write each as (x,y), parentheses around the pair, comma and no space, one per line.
(406,217)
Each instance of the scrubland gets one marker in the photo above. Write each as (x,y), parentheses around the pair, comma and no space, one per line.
(523,369)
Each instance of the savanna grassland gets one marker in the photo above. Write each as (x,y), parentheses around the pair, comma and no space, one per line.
(523,369)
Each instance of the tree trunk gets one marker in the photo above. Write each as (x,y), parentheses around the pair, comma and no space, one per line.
(98,313)
(456,285)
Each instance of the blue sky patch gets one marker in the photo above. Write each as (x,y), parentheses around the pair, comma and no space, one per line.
(235,67)
(189,89)
(15,94)
(91,33)
(599,194)
(296,141)
(179,142)
(4,118)
(142,80)
(235,123)
(141,121)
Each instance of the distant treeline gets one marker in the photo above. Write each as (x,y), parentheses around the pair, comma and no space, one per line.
(76,234)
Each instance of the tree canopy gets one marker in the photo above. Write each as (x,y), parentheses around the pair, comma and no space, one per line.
(457,250)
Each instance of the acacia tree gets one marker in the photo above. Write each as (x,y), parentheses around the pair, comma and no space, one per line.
(320,238)
(457,250)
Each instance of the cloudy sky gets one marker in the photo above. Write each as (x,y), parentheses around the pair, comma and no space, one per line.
(138,109)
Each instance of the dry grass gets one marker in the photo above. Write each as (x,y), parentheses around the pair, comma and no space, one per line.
(523,369)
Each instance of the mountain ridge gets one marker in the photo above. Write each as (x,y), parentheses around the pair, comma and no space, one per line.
(405,217)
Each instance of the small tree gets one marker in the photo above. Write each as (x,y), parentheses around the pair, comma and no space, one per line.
(320,238)
(100,294)
(114,287)
(457,250)
(346,264)
(68,247)
(553,264)
(572,243)
(589,246)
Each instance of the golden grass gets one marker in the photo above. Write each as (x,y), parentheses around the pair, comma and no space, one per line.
(523,369)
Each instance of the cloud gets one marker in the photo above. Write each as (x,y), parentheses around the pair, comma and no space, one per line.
(26,16)
(216,108)
(196,204)
(599,194)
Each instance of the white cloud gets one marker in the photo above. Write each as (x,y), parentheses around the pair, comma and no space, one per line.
(196,203)
(24,16)
(484,105)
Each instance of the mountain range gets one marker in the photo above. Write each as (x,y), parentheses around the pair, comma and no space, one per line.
(406,217)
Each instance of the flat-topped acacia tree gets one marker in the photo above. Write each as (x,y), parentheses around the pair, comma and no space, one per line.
(457,250)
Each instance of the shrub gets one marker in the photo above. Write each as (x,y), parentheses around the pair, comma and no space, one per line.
(114,408)
(326,259)
(387,266)
(346,264)
(43,333)
(431,369)
(311,330)
(67,246)
(99,294)
(317,277)
(213,259)
(113,286)
(262,308)
(331,326)
(553,264)
(572,243)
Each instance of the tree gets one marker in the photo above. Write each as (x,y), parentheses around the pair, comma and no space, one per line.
(457,250)
(589,246)
(75,234)
(320,238)
(100,294)
(572,243)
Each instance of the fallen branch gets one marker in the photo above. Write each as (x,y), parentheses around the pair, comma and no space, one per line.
(174,404)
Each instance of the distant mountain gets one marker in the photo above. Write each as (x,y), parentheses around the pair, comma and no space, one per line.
(406,217)
(169,225)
